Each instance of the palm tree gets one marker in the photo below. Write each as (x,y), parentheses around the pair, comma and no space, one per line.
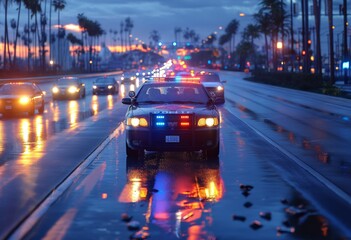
(155,37)
(231,30)
(274,11)
(75,41)
(211,39)
(189,34)
(244,50)
(177,31)
(331,41)
(264,22)
(33,7)
(6,34)
(19,3)
(317,19)
(59,5)
(129,26)
(121,33)
(250,33)
(92,30)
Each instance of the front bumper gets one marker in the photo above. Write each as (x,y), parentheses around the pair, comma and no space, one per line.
(172,140)
(15,107)
(65,95)
(103,90)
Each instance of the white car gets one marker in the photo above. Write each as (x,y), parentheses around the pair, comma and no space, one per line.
(212,83)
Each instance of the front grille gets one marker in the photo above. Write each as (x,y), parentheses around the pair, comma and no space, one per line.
(172,121)
(213,89)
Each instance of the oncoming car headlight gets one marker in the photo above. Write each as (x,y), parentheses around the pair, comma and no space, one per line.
(220,88)
(94,87)
(136,122)
(208,122)
(110,87)
(24,100)
(55,89)
(72,89)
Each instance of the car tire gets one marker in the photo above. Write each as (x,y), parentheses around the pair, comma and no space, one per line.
(133,153)
(41,109)
(31,111)
(213,152)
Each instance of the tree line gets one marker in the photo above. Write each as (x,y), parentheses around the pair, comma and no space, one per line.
(44,47)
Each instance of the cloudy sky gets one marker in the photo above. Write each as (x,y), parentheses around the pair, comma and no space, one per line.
(203,16)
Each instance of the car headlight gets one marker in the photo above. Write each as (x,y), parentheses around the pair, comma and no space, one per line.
(220,88)
(136,122)
(24,100)
(110,87)
(122,78)
(55,89)
(208,122)
(94,87)
(72,89)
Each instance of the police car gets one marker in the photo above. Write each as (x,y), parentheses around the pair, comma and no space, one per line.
(172,114)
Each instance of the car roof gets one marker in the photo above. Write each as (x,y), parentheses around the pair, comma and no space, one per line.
(19,83)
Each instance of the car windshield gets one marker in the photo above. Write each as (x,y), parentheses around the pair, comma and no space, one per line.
(16,89)
(172,93)
(67,81)
(104,80)
(209,78)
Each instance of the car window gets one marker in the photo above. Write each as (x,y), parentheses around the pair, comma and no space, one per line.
(66,81)
(16,89)
(172,93)
(104,80)
(209,78)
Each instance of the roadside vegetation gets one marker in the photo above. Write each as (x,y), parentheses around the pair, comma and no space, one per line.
(299,81)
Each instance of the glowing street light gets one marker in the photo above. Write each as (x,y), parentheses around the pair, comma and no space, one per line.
(279,45)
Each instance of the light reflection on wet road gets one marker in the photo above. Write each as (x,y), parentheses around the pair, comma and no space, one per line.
(21,134)
(185,196)
(178,195)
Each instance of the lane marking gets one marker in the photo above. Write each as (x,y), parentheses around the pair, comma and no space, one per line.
(335,189)
(43,207)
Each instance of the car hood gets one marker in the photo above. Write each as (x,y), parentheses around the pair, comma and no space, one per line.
(14,96)
(212,84)
(66,85)
(173,108)
(103,84)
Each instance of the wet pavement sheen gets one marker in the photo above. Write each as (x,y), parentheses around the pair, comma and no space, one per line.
(185,196)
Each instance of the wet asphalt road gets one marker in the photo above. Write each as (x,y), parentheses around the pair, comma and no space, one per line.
(184,196)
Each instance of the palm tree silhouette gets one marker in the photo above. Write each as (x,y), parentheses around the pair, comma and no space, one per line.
(59,5)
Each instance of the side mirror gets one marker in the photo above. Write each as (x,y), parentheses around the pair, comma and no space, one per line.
(127,101)
(224,81)
(131,94)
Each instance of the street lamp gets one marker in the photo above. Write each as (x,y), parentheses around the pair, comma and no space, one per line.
(51,62)
(280,47)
